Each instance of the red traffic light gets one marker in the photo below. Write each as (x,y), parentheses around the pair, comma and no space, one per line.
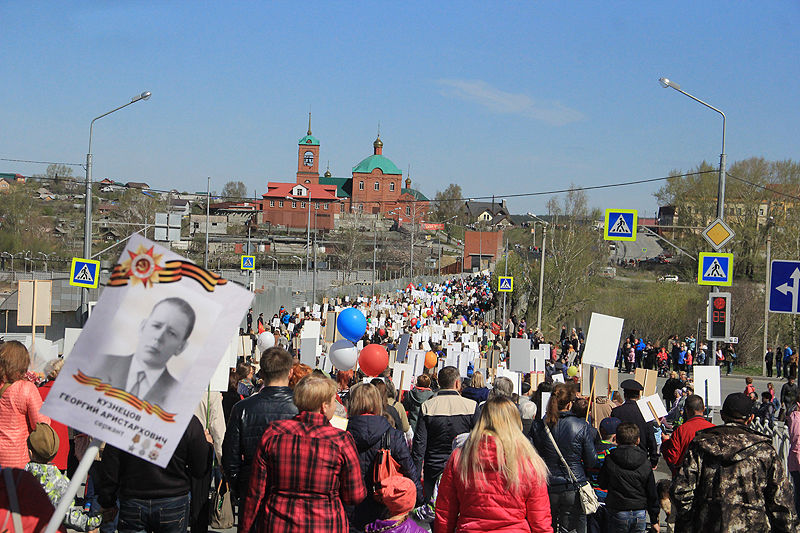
(719,303)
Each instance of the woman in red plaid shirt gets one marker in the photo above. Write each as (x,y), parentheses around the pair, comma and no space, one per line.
(305,469)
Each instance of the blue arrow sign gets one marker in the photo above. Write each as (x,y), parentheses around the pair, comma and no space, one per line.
(784,286)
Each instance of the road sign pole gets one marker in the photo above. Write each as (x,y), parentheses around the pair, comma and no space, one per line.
(766,307)
(504,294)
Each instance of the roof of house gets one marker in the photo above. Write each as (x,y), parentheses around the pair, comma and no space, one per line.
(137,185)
(315,191)
(415,193)
(372,162)
(344,186)
(476,208)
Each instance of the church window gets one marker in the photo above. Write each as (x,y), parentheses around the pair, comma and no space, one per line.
(316,205)
(325,205)
(294,205)
(360,185)
(408,210)
(391,186)
(272,203)
(302,205)
(280,203)
(377,186)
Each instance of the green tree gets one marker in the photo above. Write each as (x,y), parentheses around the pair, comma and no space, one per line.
(449,203)
(234,189)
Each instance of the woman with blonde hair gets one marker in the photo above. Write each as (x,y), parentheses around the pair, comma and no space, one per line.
(19,405)
(477,389)
(305,470)
(574,440)
(497,480)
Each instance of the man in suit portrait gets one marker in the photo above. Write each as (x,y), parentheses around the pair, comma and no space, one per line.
(162,336)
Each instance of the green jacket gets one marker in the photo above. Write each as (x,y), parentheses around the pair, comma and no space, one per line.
(733,481)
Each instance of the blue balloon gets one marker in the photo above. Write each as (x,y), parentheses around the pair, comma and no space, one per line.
(351,324)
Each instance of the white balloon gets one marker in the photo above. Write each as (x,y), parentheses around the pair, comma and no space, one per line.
(343,354)
(266,340)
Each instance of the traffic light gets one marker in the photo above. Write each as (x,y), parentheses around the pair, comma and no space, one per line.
(719,316)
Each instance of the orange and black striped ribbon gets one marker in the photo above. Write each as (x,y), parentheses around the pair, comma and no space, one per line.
(172,271)
(127,397)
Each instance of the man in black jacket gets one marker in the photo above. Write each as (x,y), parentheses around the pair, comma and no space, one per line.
(251,416)
(629,412)
(441,418)
(148,493)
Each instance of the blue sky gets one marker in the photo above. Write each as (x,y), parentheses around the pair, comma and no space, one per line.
(501,98)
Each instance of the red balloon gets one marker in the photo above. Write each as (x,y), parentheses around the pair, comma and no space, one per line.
(431,360)
(381,332)
(373,359)
(414,321)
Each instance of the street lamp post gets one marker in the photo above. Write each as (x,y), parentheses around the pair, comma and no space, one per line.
(721,182)
(541,270)
(87,224)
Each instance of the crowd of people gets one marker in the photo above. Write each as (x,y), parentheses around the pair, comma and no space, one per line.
(289,447)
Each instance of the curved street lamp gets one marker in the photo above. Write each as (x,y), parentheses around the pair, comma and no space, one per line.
(87,224)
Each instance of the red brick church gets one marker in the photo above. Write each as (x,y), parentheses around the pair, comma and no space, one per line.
(376,186)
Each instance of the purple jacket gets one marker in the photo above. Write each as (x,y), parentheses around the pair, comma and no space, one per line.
(391,526)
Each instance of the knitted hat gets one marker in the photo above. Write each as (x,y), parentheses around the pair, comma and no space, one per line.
(399,494)
(43,442)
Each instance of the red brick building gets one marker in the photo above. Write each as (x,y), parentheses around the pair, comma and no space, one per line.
(482,249)
(289,204)
(376,186)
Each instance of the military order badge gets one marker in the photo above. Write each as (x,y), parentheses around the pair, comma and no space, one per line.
(148,351)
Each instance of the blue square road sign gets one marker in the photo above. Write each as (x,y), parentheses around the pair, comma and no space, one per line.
(784,286)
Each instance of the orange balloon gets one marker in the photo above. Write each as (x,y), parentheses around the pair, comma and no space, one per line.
(431,360)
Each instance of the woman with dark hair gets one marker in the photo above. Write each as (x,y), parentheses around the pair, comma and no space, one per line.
(19,405)
(371,432)
(574,439)
(245,386)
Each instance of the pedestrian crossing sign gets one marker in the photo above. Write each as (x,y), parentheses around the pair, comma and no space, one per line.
(620,225)
(715,269)
(84,273)
(248,262)
(505,284)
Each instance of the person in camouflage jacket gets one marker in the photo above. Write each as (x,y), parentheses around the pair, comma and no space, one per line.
(732,480)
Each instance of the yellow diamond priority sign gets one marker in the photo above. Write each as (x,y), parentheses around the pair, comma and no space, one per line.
(718,234)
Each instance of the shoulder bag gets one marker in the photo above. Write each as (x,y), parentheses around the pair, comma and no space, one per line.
(385,466)
(588,497)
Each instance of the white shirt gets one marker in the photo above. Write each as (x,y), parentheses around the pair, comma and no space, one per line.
(151,375)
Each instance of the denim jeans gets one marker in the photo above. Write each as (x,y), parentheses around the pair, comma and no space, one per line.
(567,512)
(164,515)
(627,521)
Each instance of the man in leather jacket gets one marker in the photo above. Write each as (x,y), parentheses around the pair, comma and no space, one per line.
(250,417)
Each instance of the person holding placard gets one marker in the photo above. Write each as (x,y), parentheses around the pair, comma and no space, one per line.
(732,480)
(629,412)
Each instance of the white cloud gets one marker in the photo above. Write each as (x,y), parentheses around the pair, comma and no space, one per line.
(492,98)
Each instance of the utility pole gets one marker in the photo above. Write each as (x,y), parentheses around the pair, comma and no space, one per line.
(374,252)
(505,260)
(208,211)
(413,220)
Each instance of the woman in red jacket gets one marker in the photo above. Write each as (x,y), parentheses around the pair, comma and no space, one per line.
(497,481)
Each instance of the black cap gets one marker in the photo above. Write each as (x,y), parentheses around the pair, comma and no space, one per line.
(632,384)
(737,405)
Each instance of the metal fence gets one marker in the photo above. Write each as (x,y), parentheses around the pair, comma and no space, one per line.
(780,438)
